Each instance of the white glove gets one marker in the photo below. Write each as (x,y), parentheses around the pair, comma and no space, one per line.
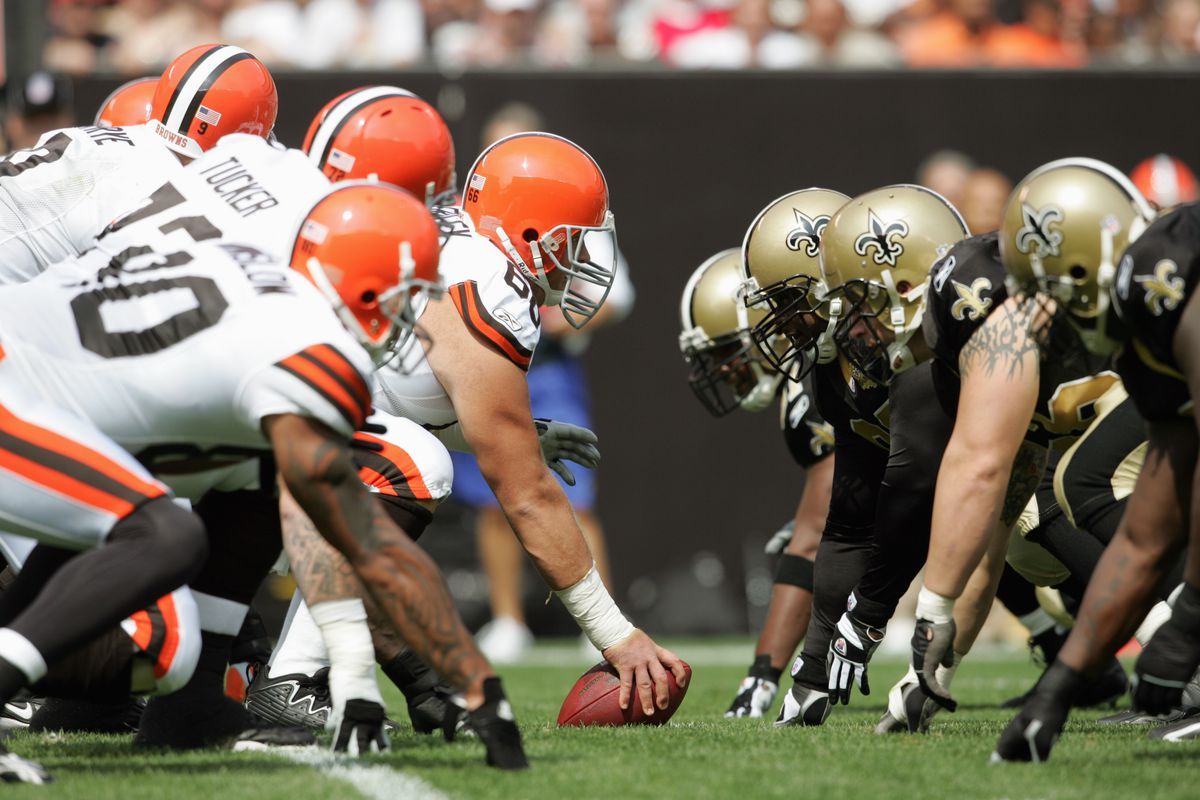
(780,538)
(563,441)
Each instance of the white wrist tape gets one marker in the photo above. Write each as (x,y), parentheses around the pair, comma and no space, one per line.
(933,607)
(593,608)
(343,625)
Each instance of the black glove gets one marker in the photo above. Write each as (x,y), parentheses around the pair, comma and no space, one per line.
(494,724)
(1032,733)
(933,644)
(1170,659)
(849,651)
(360,728)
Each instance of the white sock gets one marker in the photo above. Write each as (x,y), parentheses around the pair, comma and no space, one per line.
(218,615)
(1037,622)
(301,648)
(945,675)
(20,652)
(1160,613)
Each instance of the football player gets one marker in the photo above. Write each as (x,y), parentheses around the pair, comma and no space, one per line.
(727,372)
(298,392)
(59,193)
(515,244)
(898,230)
(1155,319)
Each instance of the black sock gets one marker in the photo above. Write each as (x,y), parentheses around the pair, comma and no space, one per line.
(215,649)
(411,675)
(762,668)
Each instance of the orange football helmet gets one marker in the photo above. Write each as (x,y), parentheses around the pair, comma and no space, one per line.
(1165,181)
(387,132)
(209,91)
(536,196)
(372,249)
(129,104)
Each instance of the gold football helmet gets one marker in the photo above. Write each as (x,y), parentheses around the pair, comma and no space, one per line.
(780,257)
(876,254)
(1064,228)
(728,371)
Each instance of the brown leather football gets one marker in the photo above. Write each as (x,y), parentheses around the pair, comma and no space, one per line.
(595,700)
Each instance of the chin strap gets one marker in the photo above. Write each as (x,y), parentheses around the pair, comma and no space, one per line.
(826,344)
(900,357)
(764,391)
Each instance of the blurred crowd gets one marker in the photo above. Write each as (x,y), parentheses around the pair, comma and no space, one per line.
(140,36)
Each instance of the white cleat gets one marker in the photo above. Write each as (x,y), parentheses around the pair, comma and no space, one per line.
(504,640)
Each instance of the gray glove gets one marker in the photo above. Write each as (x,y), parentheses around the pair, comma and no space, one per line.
(562,441)
(933,644)
(780,538)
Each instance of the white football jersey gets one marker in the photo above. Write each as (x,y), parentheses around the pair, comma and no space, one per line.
(496,304)
(243,190)
(55,197)
(178,356)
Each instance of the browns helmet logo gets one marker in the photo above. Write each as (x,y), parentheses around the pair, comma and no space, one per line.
(881,238)
(970,303)
(1163,289)
(806,235)
(1038,233)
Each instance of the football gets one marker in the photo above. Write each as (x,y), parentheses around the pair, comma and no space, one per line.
(595,700)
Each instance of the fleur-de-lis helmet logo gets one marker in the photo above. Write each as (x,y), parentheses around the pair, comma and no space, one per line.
(806,236)
(1037,233)
(882,239)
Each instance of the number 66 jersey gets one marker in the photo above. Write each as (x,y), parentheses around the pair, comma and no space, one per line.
(179,356)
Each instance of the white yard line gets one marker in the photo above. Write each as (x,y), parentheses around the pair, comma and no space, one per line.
(373,781)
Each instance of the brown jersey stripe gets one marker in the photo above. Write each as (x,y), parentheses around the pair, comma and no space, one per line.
(480,322)
(69,468)
(340,368)
(394,465)
(320,381)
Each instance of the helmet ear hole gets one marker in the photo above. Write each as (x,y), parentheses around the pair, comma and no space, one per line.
(368,297)
(903,287)
(529,235)
(1077,272)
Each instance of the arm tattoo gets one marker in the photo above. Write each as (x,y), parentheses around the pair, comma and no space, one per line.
(321,572)
(1000,343)
(1028,467)
(402,580)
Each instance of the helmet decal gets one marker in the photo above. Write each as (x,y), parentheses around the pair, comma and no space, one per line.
(807,233)
(185,101)
(1164,289)
(321,150)
(880,238)
(1038,233)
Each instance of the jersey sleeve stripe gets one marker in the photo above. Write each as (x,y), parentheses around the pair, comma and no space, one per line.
(393,464)
(481,322)
(69,468)
(377,481)
(320,381)
(339,368)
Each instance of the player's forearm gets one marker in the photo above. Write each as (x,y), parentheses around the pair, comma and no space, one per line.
(321,572)
(970,495)
(973,607)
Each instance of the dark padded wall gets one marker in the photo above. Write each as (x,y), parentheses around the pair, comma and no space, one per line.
(690,159)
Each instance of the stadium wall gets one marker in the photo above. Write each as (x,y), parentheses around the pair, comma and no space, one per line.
(691,158)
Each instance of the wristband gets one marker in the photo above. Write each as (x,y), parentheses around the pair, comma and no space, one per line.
(595,612)
(343,625)
(933,607)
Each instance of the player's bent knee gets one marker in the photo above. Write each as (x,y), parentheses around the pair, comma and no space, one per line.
(173,539)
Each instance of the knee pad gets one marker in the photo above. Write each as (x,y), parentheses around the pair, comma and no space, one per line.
(173,538)
(795,571)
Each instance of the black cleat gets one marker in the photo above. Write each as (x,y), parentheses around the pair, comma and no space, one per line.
(88,716)
(494,724)
(185,721)
(1184,729)
(294,699)
(909,710)
(803,706)
(16,715)
(1106,689)
(435,710)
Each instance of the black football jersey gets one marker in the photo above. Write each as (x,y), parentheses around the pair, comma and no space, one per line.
(1155,278)
(849,405)
(967,285)
(808,436)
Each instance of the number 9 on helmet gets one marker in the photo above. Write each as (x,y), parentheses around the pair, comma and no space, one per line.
(372,250)
(538,197)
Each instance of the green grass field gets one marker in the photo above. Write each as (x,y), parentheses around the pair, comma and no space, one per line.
(699,755)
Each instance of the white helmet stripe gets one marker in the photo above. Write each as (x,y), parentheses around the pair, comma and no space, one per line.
(194,80)
(318,150)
